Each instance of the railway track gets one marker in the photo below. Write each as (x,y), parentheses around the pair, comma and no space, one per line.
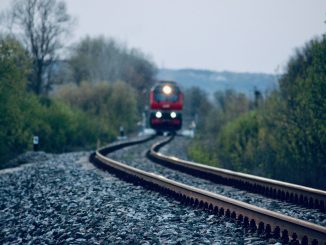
(283,191)
(252,217)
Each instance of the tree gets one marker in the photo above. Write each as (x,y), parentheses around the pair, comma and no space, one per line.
(285,136)
(303,91)
(99,59)
(113,104)
(197,105)
(14,64)
(41,25)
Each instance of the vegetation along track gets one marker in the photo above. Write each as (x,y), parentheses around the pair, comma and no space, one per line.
(252,217)
(297,194)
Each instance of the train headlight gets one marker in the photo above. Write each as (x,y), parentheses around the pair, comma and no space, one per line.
(173,114)
(158,114)
(167,89)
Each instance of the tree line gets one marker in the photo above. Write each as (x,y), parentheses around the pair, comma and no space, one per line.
(281,135)
(71,97)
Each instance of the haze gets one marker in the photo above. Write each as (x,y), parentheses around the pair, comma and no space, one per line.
(242,36)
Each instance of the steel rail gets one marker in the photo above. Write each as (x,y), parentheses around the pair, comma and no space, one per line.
(298,194)
(255,218)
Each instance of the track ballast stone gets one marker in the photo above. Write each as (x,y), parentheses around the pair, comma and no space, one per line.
(135,156)
(65,200)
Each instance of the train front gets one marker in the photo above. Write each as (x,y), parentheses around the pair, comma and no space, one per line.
(166,102)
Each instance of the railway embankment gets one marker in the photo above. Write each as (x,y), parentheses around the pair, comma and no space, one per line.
(64,199)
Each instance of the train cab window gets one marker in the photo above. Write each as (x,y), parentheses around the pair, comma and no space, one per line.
(159,96)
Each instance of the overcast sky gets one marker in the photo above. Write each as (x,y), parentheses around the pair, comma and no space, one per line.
(234,35)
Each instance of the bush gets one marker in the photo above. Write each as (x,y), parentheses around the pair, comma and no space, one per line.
(285,137)
(238,144)
(62,128)
(113,105)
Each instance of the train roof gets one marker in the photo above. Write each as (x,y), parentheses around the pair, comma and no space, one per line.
(166,81)
(162,82)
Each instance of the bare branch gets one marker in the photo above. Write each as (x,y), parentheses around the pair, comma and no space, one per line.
(41,25)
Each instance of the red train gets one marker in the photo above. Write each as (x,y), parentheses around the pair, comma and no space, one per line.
(166,103)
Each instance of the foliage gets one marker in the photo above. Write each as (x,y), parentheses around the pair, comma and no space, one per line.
(115,104)
(77,116)
(196,104)
(198,153)
(62,128)
(41,25)
(59,126)
(303,90)
(238,143)
(99,59)
(285,137)
(13,70)
(213,116)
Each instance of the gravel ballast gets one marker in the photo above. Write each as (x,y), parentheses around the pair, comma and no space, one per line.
(135,156)
(63,199)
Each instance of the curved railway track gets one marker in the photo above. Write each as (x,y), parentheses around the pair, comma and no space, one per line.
(254,218)
(284,191)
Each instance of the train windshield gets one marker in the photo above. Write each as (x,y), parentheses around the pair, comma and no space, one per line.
(160,95)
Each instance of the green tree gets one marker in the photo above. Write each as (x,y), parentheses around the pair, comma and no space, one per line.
(14,65)
(227,106)
(238,144)
(197,105)
(285,137)
(114,104)
(303,117)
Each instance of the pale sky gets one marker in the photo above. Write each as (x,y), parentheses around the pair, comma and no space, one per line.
(234,35)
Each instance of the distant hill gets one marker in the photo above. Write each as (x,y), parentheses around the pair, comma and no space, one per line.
(212,81)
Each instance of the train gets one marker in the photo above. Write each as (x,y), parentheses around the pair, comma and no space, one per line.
(166,104)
